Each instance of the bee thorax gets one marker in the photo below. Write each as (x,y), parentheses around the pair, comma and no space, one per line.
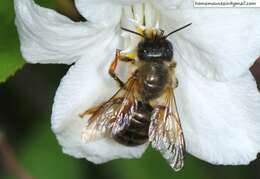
(153,79)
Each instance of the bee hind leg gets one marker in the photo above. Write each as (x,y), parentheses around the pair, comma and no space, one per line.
(89,111)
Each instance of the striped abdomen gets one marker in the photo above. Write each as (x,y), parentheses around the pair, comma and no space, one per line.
(136,133)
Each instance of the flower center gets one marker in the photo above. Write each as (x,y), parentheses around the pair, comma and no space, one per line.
(138,17)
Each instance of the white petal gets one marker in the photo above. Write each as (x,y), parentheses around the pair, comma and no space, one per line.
(168,4)
(127,2)
(221,43)
(100,12)
(48,37)
(220,119)
(87,84)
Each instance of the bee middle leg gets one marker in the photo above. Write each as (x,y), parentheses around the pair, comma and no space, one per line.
(175,81)
(172,65)
(113,66)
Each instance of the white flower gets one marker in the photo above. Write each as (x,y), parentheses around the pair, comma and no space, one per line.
(217,97)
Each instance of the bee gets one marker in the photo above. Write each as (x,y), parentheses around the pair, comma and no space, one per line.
(144,108)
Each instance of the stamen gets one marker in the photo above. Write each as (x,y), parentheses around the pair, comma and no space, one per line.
(127,14)
(157,23)
(139,26)
(138,18)
(138,13)
(150,14)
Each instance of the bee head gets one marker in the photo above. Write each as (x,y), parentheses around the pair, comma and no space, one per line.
(154,46)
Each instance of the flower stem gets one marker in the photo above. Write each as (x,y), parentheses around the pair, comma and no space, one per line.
(9,160)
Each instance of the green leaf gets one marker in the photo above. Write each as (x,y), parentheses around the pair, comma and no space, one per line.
(153,166)
(10,57)
(42,156)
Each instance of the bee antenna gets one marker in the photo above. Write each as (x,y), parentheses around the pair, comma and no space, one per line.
(177,30)
(133,32)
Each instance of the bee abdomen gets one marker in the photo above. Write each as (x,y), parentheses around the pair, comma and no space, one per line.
(136,133)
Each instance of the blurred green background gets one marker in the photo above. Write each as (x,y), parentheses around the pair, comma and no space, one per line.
(27,144)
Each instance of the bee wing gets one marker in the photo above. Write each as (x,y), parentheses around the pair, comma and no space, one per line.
(165,132)
(113,115)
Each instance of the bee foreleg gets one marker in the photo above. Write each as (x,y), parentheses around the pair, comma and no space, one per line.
(112,69)
(119,57)
(129,57)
